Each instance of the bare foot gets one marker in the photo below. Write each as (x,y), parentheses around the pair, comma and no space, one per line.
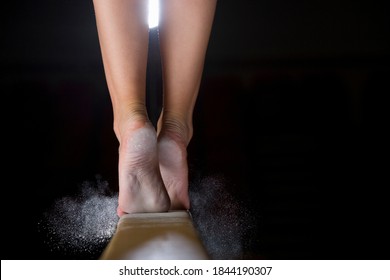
(141,188)
(174,171)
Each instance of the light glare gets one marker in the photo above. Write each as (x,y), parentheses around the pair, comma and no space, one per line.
(153,13)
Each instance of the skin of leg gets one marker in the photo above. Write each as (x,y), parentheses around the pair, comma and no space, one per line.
(184,30)
(123,37)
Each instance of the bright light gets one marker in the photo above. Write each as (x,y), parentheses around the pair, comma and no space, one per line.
(153,13)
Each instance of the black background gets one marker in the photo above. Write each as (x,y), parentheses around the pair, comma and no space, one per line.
(291,111)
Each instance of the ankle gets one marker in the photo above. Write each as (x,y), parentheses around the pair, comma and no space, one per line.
(126,123)
(177,130)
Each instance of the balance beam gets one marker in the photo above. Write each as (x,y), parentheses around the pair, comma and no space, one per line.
(155,236)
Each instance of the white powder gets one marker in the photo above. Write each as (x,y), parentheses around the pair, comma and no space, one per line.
(82,224)
(143,140)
